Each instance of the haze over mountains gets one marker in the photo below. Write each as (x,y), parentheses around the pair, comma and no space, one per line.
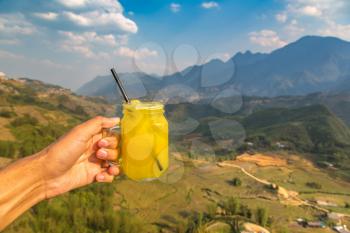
(311,64)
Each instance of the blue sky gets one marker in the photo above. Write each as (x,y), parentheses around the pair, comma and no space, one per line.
(69,42)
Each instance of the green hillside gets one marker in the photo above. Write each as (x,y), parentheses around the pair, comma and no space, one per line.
(195,195)
(34,114)
(312,129)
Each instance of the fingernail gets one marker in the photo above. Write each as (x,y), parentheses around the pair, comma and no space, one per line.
(102,154)
(103,143)
(100,177)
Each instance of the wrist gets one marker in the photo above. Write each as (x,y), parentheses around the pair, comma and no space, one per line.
(38,166)
(22,186)
(33,169)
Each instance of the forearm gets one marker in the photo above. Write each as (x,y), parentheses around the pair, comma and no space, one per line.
(21,187)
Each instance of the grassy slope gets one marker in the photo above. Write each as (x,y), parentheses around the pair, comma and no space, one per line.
(33,114)
(161,203)
(308,122)
(167,204)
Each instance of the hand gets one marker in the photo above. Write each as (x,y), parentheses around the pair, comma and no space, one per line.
(79,157)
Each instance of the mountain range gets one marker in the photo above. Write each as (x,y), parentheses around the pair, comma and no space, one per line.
(310,64)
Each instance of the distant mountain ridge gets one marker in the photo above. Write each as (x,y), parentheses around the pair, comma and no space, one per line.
(310,64)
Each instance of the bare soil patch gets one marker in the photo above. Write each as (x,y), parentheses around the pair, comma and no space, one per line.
(263,160)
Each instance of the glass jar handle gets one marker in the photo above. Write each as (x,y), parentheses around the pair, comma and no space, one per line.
(110,132)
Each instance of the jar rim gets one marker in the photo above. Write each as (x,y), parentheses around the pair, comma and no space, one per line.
(138,105)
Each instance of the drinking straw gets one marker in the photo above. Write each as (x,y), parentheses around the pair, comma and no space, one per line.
(120,85)
(126,98)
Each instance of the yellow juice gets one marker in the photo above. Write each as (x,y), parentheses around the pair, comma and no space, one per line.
(144,135)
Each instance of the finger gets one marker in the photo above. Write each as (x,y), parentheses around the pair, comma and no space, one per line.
(109,142)
(107,154)
(105,164)
(113,170)
(95,125)
(104,177)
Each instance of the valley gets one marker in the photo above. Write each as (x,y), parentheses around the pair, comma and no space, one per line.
(291,164)
(191,187)
(203,183)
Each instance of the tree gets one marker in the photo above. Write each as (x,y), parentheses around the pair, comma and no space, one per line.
(24,120)
(261,216)
(245,211)
(232,206)
(7,149)
(314,185)
(211,210)
(347,205)
(236,182)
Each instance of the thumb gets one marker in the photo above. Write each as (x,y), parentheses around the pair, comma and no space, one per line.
(94,126)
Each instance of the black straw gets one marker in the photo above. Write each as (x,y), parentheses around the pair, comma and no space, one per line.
(120,85)
(126,98)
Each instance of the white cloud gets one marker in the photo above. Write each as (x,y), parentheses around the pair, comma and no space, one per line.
(310,11)
(209,5)
(137,54)
(9,55)
(122,39)
(80,49)
(102,18)
(281,17)
(266,38)
(85,43)
(293,29)
(50,16)
(78,19)
(175,7)
(90,37)
(325,9)
(9,41)
(337,30)
(97,13)
(2,74)
(73,3)
(15,24)
(111,5)
(325,16)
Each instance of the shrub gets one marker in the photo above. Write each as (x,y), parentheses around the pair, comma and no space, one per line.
(313,185)
(24,120)
(7,114)
(261,216)
(245,211)
(86,210)
(232,206)
(211,209)
(236,182)
(7,149)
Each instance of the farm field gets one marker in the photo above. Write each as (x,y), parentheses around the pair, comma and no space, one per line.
(194,185)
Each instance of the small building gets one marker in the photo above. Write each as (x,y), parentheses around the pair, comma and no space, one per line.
(281,145)
(2,76)
(302,222)
(326,203)
(341,229)
(249,144)
(325,164)
(316,224)
(335,217)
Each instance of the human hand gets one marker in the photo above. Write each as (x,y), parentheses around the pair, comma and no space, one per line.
(79,157)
